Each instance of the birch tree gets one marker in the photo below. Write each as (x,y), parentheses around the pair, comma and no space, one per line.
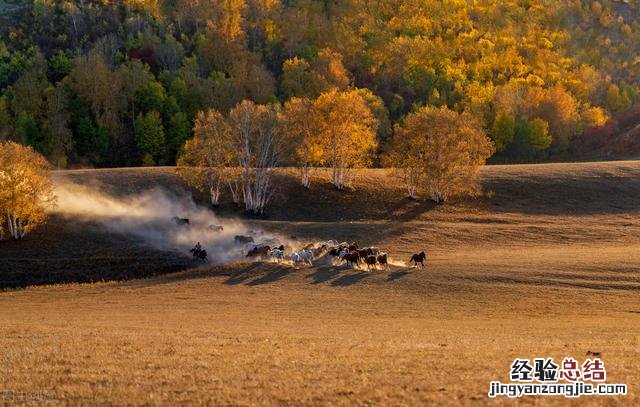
(345,131)
(258,146)
(206,160)
(441,150)
(297,125)
(26,190)
(405,162)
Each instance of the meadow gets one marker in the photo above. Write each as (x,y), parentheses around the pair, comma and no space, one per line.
(545,264)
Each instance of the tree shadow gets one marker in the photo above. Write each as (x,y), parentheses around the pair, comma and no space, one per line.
(349,279)
(573,189)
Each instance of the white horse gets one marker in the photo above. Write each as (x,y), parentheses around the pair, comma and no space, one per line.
(306,256)
(277,254)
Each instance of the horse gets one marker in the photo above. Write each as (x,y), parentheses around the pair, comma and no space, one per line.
(382,259)
(317,251)
(277,254)
(216,228)
(259,251)
(242,239)
(306,256)
(418,258)
(370,261)
(202,255)
(180,221)
(351,258)
(199,253)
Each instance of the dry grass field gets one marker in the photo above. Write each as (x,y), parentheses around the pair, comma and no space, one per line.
(546,265)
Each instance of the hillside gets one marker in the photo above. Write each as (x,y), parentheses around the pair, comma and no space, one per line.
(547,267)
(76,77)
(549,204)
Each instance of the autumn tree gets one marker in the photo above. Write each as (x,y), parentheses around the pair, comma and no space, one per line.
(178,131)
(5,120)
(559,109)
(297,79)
(207,158)
(133,75)
(404,162)
(297,125)
(56,123)
(503,130)
(258,148)
(150,137)
(539,137)
(26,191)
(330,70)
(441,150)
(593,116)
(301,78)
(345,130)
(94,81)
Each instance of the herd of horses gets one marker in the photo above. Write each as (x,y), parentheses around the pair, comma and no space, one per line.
(348,253)
(342,253)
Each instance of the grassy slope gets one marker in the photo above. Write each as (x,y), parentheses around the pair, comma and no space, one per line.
(548,267)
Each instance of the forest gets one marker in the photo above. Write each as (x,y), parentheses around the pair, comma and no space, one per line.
(104,83)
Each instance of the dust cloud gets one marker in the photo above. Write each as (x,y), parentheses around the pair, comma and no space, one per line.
(150,218)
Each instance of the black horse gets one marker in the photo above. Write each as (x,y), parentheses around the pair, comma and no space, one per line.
(199,253)
(180,221)
(418,259)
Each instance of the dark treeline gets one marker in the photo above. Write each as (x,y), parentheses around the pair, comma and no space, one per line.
(114,83)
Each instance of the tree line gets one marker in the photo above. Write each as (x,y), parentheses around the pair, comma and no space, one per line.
(100,83)
(436,151)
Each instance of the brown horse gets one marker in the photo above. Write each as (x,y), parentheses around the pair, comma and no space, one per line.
(259,251)
(352,258)
(242,239)
(370,261)
(418,258)
(382,259)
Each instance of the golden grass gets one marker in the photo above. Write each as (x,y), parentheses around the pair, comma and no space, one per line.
(501,282)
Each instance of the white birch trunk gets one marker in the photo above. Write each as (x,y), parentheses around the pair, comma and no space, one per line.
(214,193)
(10,225)
(20,229)
(304,176)
(16,228)
(234,188)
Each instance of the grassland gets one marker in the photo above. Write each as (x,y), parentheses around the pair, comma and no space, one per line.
(548,266)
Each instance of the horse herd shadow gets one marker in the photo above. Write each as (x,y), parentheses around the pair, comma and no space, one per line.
(255,275)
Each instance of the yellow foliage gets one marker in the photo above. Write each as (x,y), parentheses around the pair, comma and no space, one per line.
(594,116)
(26,191)
(345,132)
(441,150)
(207,157)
